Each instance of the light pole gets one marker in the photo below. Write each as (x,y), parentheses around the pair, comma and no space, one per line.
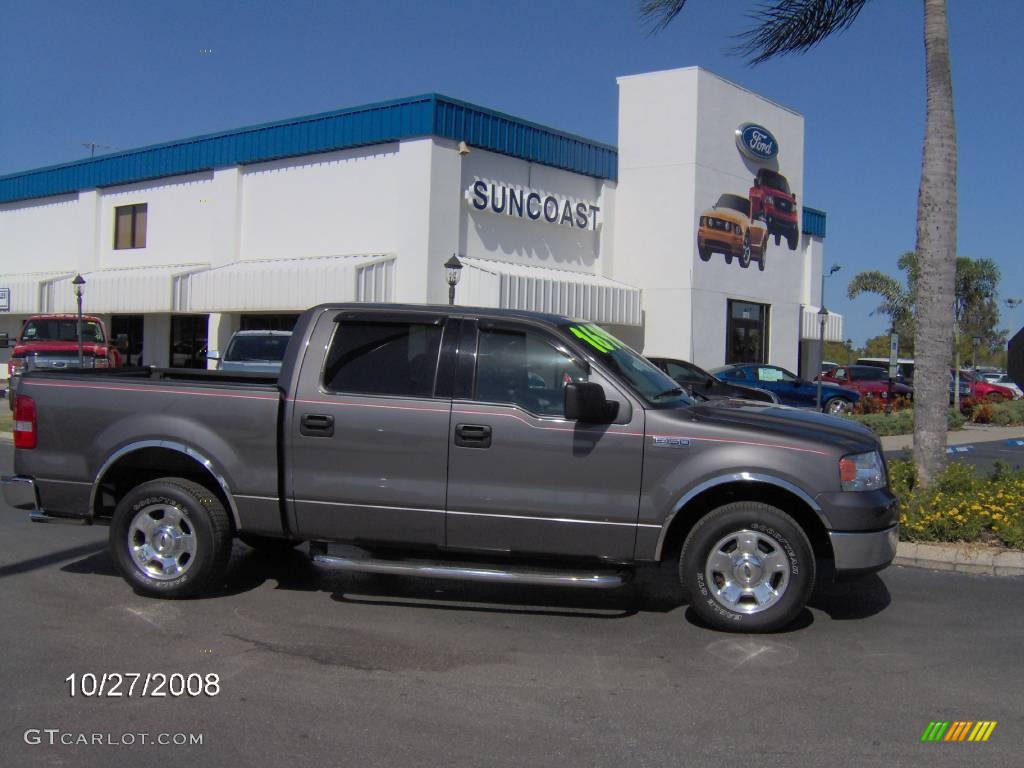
(849,352)
(822,320)
(975,341)
(454,269)
(1012,303)
(79,282)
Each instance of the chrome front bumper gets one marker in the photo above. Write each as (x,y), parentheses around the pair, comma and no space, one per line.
(864,551)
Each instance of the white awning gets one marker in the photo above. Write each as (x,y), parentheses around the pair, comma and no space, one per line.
(25,291)
(810,325)
(291,284)
(486,283)
(132,289)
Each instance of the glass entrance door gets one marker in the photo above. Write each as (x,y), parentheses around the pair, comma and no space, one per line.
(746,332)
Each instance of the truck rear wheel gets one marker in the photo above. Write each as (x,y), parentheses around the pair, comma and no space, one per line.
(170,538)
(748,567)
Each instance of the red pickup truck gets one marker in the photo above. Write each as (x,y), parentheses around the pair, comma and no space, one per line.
(49,342)
(867,380)
(772,202)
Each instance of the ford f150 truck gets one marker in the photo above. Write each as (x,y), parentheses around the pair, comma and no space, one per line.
(451,442)
(51,342)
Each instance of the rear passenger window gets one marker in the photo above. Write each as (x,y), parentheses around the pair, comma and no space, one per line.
(383,359)
(525,370)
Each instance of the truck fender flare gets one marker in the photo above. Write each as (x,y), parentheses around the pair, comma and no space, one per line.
(170,445)
(736,477)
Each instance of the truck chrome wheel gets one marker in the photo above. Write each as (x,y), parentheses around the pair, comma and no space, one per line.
(747,571)
(162,542)
(747,567)
(170,538)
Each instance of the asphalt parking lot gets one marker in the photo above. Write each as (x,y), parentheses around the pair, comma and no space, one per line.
(341,670)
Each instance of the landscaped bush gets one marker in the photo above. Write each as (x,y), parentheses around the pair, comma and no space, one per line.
(872,404)
(900,422)
(961,505)
(1006,414)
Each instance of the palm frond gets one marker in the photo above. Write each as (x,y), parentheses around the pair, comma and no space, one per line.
(659,13)
(792,26)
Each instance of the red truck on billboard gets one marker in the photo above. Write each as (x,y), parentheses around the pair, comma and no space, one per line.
(48,342)
(772,202)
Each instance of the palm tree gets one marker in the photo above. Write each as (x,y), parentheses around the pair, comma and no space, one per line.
(794,26)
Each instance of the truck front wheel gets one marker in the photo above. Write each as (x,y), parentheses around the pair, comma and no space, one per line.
(747,567)
(170,538)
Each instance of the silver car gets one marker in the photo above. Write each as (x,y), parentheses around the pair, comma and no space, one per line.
(254,351)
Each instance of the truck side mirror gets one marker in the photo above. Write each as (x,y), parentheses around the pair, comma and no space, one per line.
(213,354)
(586,402)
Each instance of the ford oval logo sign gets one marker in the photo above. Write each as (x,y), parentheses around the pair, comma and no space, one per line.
(756,142)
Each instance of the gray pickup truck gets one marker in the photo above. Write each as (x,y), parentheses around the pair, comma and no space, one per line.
(449,442)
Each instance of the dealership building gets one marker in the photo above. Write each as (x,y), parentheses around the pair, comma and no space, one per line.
(690,239)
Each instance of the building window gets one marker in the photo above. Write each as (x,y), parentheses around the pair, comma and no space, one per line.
(397,359)
(746,332)
(188,341)
(130,226)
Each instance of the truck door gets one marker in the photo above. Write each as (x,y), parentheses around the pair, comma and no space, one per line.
(367,439)
(521,478)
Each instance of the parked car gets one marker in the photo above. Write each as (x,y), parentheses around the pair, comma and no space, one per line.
(772,202)
(1005,381)
(50,342)
(457,443)
(982,390)
(253,351)
(727,229)
(904,367)
(992,377)
(867,380)
(788,387)
(699,382)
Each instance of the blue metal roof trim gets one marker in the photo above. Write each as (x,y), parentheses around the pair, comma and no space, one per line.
(388,121)
(814,222)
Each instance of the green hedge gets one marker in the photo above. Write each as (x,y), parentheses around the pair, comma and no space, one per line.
(901,422)
(1006,414)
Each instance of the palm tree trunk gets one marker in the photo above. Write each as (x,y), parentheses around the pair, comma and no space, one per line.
(936,251)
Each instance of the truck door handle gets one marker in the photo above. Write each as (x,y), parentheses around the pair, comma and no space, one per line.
(473,435)
(316,425)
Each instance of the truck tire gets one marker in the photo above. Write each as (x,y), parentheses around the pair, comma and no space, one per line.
(170,538)
(704,253)
(747,567)
(745,253)
(268,545)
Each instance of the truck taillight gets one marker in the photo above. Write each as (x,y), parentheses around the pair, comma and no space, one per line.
(24,422)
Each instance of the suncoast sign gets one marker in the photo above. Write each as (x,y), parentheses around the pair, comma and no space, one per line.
(532,204)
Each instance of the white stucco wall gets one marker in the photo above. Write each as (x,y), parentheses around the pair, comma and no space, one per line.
(677,154)
(40,235)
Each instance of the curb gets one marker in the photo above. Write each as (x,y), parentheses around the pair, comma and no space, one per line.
(961,558)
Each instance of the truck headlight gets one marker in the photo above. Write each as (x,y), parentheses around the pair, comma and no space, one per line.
(862,472)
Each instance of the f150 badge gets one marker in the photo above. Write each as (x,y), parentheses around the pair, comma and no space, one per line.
(671,442)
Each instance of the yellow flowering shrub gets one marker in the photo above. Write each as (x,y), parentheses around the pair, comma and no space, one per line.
(961,505)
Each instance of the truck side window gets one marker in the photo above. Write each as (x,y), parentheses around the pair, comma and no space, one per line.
(525,370)
(383,359)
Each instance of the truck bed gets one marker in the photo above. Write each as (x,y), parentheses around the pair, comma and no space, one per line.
(224,420)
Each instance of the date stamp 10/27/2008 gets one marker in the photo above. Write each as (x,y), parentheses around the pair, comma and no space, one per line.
(148,684)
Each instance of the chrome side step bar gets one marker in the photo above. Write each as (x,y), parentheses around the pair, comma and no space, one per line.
(469,572)
(39,516)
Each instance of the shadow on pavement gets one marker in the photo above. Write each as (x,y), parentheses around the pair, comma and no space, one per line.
(54,557)
(654,588)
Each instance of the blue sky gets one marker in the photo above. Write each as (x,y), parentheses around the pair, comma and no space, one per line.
(127,74)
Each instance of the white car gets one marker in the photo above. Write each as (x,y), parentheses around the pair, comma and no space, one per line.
(1004,380)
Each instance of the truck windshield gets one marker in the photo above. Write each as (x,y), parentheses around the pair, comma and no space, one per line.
(774,181)
(251,348)
(55,329)
(656,387)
